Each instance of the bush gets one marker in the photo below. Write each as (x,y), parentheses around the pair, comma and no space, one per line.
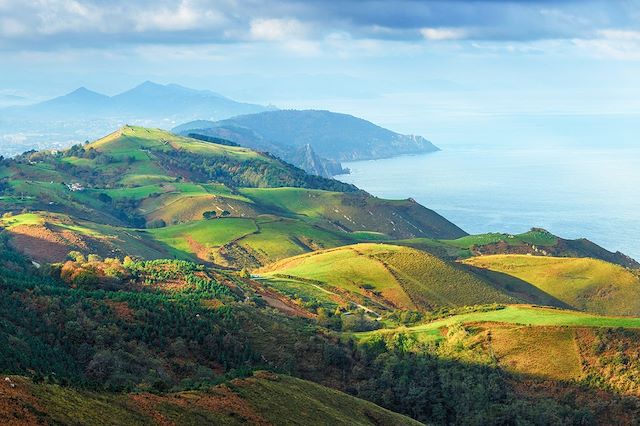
(158,223)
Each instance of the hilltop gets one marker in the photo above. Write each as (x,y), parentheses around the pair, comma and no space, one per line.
(536,242)
(333,137)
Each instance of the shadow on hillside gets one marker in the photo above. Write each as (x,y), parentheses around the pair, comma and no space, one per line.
(523,290)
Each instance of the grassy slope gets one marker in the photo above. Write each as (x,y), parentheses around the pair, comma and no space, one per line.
(261,399)
(356,212)
(535,237)
(586,284)
(50,237)
(404,277)
(517,314)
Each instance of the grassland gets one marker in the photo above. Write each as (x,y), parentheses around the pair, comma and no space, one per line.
(200,237)
(534,237)
(398,276)
(516,314)
(549,352)
(586,284)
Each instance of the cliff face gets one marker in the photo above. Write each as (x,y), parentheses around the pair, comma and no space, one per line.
(307,159)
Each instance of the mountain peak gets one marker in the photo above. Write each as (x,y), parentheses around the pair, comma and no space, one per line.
(84,92)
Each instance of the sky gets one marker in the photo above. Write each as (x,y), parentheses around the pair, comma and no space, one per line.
(463,71)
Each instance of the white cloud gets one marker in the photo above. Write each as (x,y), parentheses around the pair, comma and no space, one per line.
(277,29)
(12,28)
(443,33)
(188,15)
(612,43)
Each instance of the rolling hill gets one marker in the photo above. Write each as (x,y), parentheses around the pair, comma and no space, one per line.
(539,242)
(536,242)
(383,276)
(327,138)
(587,284)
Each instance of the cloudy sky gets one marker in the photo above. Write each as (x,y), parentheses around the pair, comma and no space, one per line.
(451,70)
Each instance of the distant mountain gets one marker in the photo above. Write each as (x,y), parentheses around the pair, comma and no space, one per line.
(294,135)
(149,101)
(81,99)
(9,100)
(84,114)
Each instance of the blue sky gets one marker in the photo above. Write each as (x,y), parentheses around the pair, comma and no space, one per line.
(455,71)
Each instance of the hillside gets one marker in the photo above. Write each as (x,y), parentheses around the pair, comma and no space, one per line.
(181,338)
(538,242)
(216,203)
(552,344)
(383,277)
(333,137)
(261,399)
(586,284)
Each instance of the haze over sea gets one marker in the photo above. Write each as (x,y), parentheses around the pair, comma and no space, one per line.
(571,191)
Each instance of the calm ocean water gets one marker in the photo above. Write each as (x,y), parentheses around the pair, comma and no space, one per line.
(591,193)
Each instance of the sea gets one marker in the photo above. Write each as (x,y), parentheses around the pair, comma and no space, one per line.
(573,192)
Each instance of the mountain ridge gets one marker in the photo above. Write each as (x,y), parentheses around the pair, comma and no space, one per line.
(334,137)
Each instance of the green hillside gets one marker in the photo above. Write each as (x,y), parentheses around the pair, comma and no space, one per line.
(586,284)
(261,399)
(537,242)
(99,197)
(517,314)
(392,276)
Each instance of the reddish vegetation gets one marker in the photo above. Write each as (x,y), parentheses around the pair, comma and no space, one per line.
(121,309)
(43,245)
(606,409)
(17,406)
(49,243)
(280,302)
(220,400)
(199,249)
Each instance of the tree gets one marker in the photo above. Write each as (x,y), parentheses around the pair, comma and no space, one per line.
(225,213)
(104,198)
(211,214)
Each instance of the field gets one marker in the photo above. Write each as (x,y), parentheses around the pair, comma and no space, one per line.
(517,314)
(586,284)
(200,237)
